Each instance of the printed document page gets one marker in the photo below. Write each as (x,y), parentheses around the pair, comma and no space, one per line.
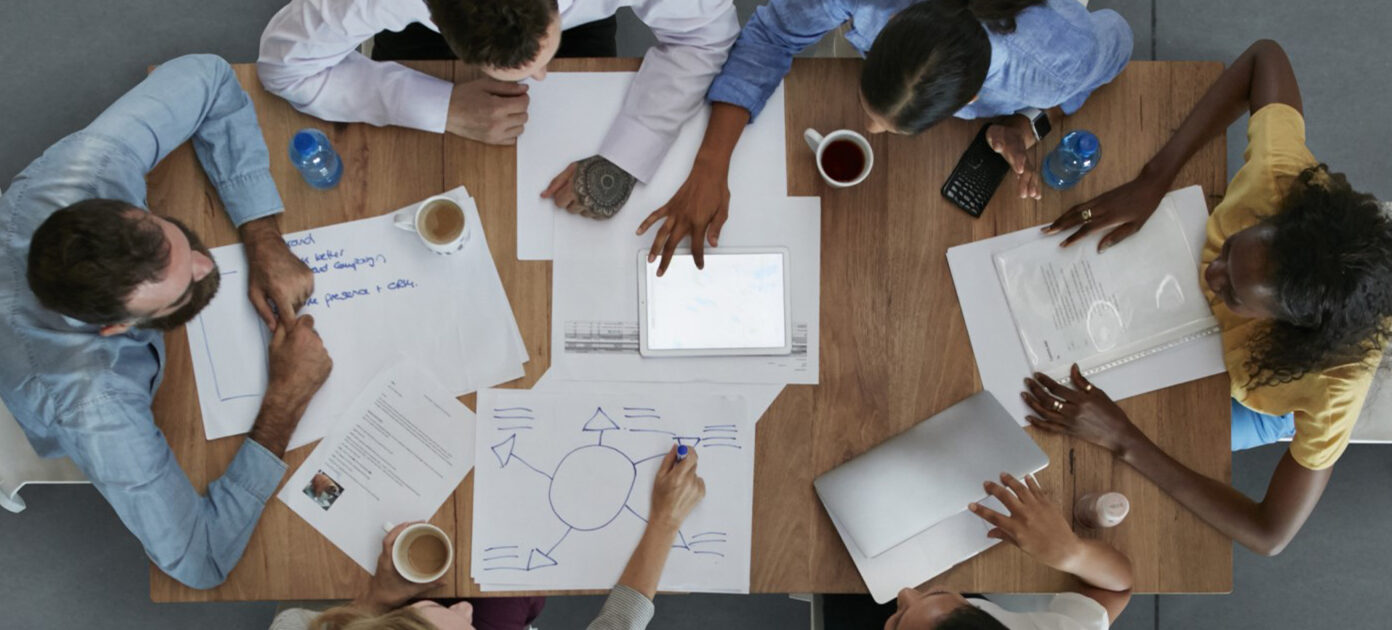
(1075,305)
(401,449)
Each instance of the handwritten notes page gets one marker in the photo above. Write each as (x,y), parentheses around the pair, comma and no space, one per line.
(563,485)
(379,295)
(402,448)
(554,140)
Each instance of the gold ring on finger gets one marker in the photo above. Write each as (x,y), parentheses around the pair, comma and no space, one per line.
(1086,214)
(1058,406)
(1088,388)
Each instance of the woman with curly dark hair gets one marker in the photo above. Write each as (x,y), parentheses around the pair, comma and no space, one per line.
(1298,270)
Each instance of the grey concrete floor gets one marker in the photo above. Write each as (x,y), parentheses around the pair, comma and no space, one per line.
(68,563)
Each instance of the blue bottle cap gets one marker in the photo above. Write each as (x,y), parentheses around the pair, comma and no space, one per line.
(305,144)
(1087,145)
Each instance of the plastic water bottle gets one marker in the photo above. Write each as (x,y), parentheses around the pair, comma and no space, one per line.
(315,158)
(1075,157)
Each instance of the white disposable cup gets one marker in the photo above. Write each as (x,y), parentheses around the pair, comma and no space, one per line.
(403,544)
(409,219)
(819,143)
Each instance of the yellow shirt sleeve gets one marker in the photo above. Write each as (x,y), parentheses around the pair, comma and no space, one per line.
(1322,429)
(1276,154)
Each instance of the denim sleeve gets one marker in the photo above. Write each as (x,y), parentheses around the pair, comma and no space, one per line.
(196,539)
(763,54)
(1112,52)
(198,97)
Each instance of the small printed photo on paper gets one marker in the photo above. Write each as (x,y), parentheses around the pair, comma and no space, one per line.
(323,490)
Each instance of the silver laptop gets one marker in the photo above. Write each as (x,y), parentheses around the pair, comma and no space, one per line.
(926,474)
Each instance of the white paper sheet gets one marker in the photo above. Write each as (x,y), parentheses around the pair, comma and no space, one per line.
(1076,305)
(931,553)
(405,444)
(554,139)
(757,396)
(594,298)
(1001,359)
(378,293)
(563,485)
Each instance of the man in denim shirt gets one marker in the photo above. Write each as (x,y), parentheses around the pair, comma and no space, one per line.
(88,279)
(1033,57)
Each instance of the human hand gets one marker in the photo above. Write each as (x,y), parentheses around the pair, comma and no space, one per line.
(699,209)
(1012,141)
(278,282)
(299,365)
(388,590)
(1086,412)
(1034,524)
(593,187)
(488,110)
(1124,208)
(676,491)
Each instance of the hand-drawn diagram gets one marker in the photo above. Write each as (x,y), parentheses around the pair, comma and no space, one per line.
(591,485)
(565,482)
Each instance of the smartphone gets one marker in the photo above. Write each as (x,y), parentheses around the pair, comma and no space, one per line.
(976,177)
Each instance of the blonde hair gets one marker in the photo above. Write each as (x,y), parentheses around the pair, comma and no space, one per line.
(349,618)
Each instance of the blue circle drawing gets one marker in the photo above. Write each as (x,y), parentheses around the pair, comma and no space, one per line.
(591,486)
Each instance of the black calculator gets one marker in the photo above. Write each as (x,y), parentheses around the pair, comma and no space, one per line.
(977,175)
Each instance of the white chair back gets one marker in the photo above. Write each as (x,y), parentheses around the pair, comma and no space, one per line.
(20,465)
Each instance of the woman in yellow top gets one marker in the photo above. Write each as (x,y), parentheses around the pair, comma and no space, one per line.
(1298,269)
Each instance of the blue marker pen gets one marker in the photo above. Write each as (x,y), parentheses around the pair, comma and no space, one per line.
(682,451)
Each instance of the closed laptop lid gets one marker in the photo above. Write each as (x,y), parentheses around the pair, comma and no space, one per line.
(928,473)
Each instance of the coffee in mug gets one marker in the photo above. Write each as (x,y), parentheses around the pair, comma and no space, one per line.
(422,553)
(440,221)
(843,156)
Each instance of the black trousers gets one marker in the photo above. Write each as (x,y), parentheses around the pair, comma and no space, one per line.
(595,39)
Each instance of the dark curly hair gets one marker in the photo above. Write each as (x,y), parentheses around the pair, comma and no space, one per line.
(496,33)
(1332,254)
(931,59)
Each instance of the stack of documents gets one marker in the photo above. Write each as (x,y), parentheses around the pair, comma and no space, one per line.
(1013,316)
(379,294)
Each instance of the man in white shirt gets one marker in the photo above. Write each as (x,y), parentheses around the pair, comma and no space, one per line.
(1037,527)
(309,57)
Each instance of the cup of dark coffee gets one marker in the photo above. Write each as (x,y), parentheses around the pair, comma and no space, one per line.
(422,552)
(843,156)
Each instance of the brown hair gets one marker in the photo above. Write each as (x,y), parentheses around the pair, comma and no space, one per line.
(349,618)
(497,33)
(86,259)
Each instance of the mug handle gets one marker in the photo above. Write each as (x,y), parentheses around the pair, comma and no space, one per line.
(813,138)
(405,219)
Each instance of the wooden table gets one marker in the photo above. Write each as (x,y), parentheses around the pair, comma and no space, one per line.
(894,346)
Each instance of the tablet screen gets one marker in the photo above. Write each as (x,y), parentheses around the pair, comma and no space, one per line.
(737,301)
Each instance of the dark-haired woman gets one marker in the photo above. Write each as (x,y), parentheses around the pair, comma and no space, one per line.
(924,62)
(1298,270)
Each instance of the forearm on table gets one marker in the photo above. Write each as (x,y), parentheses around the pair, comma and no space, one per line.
(1256,526)
(644,568)
(727,123)
(1260,76)
(1101,565)
(276,422)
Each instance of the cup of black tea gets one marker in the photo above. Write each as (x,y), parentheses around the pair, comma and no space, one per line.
(843,156)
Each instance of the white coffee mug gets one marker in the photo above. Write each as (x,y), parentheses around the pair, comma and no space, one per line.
(401,549)
(819,144)
(411,219)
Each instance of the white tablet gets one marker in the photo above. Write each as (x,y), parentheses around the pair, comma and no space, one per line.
(737,305)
